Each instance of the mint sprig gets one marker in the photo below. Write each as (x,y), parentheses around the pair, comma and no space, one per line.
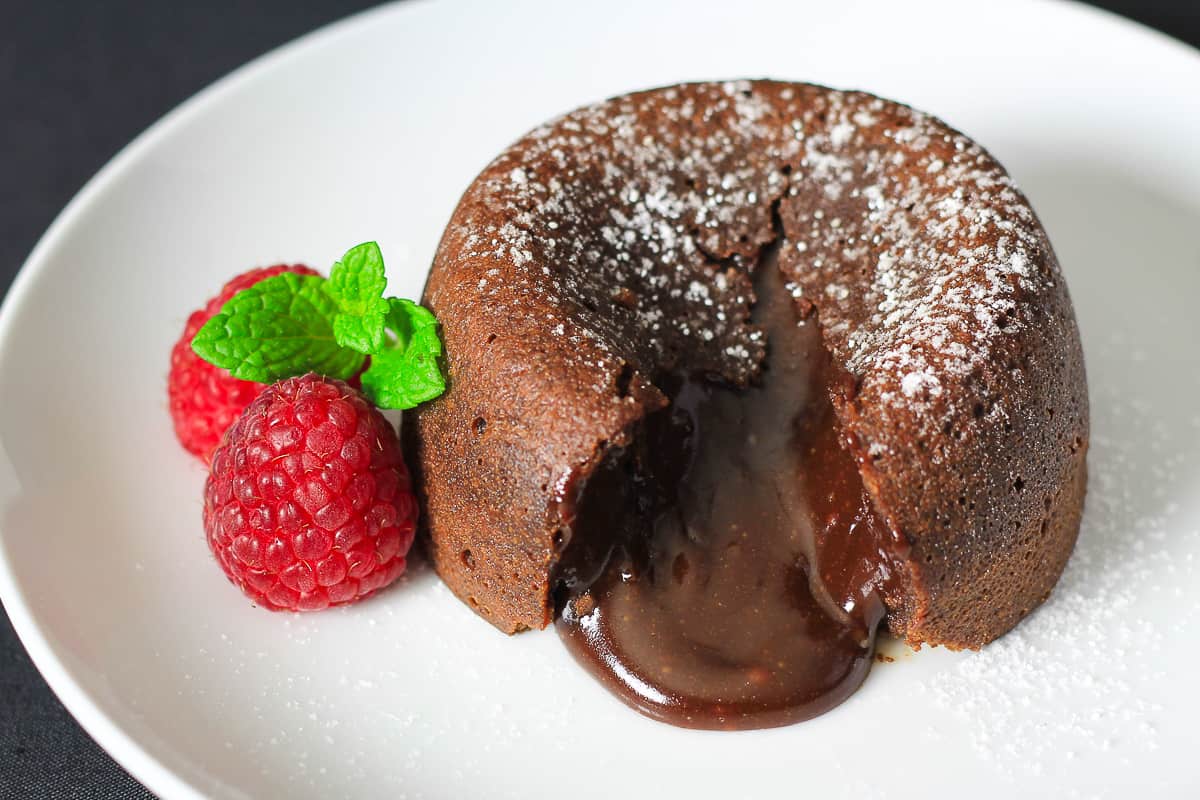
(291,324)
(279,327)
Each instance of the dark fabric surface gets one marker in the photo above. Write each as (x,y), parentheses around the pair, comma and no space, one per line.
(77,81)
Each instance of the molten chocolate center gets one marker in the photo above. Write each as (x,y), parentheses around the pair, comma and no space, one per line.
(688,589)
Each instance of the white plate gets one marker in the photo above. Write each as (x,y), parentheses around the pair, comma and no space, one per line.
(371,129)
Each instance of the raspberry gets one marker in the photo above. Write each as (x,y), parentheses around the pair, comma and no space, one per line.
(205,400)
(308,503)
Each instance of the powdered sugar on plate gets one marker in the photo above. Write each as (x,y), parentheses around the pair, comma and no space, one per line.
(1069,682)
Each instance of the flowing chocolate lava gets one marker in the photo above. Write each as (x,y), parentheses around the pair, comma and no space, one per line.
(690,593)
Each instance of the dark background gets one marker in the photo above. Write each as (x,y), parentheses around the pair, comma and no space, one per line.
(78,80)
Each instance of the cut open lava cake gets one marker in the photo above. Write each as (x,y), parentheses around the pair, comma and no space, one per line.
(739,372)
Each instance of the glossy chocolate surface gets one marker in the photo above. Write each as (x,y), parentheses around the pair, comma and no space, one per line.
(694,600)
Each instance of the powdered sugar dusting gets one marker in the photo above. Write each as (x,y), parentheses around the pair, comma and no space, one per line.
(916,384)
(1070,682)
(965,218)
(637,202)
(649,194)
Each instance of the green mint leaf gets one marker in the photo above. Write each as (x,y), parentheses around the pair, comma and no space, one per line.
(356,284)
(279,327)
(409,372)
(406,319)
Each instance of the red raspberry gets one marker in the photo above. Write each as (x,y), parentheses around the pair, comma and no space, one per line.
(205,400)
(308,502)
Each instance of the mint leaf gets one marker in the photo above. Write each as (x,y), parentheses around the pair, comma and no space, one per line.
(277,328)
(291,324)
(408,373)
(406,319)
(356,284)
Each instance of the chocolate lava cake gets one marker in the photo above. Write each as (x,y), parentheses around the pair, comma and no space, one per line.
(738,373)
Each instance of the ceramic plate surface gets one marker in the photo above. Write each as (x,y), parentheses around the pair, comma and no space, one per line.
(371,129)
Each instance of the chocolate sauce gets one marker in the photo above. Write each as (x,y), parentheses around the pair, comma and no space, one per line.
(689,591)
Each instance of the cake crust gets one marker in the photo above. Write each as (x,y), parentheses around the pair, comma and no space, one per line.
(616,244)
